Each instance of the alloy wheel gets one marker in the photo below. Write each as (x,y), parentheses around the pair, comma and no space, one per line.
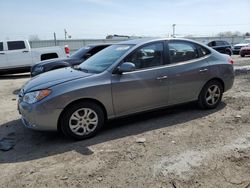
(83,121)
(213,95)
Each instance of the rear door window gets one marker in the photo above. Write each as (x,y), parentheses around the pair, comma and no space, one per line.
(203,51)
(182,51)
(220,43)
(16,45)
(151,55)
(211,44)
(96,49)
(1,46)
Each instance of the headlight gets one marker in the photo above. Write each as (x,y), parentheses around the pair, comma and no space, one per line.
(33,97)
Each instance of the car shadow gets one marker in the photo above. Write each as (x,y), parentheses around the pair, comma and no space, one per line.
(14,76)
(31,145)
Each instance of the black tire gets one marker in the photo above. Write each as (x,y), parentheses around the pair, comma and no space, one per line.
(204,95)
(66,117)
(242,55)
(228,52)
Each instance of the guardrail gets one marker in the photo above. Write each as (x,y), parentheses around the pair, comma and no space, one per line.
(75,44)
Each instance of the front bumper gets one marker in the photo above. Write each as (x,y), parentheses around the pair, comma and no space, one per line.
(38,117)
(27,124)
(245,52)
(236,51)
(35,70)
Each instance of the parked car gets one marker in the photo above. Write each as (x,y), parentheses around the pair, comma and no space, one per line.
(123,79)
(245,51)
(17,56)
(75,59)
(221,46)
(237,47)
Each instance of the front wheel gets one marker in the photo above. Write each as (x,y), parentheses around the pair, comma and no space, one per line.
(242,55)
(228,52)
(82,120)
(211,95)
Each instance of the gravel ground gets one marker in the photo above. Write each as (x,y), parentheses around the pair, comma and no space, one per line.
(181,146)
(241,60)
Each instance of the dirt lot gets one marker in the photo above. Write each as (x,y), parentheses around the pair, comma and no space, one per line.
(184,147)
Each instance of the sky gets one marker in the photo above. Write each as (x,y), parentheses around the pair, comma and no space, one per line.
(99,18)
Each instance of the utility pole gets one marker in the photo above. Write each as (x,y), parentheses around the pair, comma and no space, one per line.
(65,34)
(174,30)
(55,38)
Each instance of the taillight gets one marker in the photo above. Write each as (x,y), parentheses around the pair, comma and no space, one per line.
(67,50)
(231,61)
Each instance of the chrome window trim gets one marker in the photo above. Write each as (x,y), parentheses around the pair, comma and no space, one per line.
(169,65)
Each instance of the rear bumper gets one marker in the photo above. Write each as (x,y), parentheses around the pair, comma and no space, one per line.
(228,78)
(228,83)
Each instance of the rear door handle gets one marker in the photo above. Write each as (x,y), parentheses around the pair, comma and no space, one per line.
(203,70)
(162,77)
(1,53)
(25,51)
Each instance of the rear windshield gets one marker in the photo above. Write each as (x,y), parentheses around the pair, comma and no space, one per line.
(79,53)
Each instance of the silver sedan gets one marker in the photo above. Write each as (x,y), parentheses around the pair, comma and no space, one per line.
(123,79)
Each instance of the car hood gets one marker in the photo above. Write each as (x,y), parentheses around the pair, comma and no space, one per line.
(52,61)
(246,48)
(242,44)
(53,78)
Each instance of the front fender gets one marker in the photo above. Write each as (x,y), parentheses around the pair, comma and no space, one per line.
(96,87)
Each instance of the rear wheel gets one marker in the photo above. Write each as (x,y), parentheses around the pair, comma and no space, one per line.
(81,121)
(242,55)
(211,95)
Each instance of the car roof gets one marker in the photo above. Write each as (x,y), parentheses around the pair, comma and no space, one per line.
(218,40)
(146,40)
(101,44)
(137,41)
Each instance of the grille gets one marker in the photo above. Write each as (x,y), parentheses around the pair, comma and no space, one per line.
(237,47)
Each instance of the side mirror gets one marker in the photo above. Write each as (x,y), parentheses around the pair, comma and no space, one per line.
(126,67)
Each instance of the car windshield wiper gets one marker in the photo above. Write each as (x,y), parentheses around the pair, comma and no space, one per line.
(81,69)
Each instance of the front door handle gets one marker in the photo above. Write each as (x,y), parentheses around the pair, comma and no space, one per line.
(162,77)
(25,51)
(203,70)
(1,53)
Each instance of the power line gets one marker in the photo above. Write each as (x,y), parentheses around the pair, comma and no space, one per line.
(214,25)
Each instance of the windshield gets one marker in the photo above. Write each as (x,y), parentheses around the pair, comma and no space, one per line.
(105,58)
(79,53)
